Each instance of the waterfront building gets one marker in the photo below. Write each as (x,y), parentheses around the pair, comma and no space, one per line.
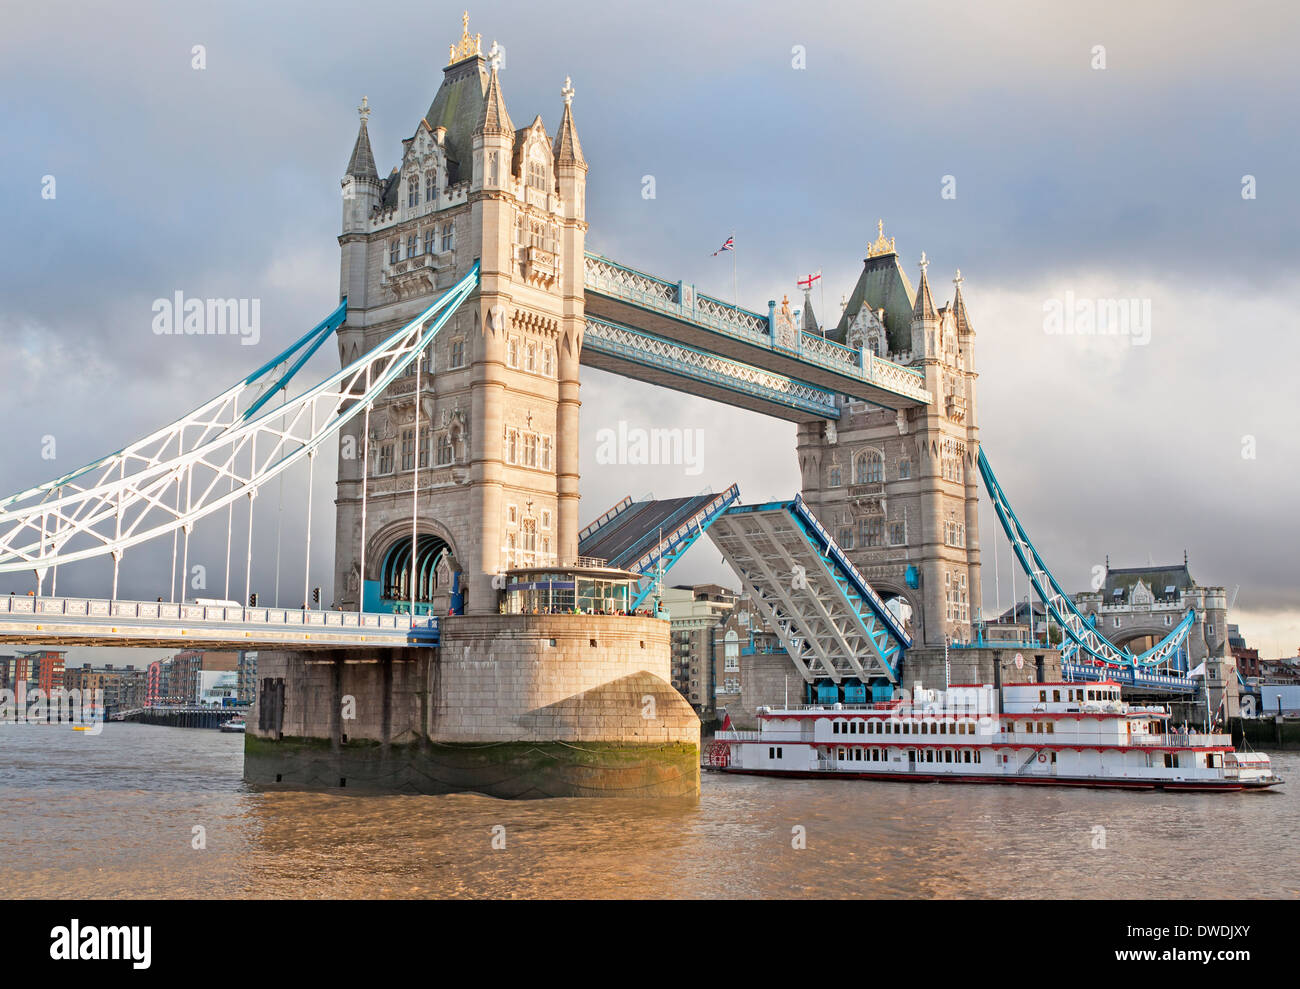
(1138,606)
(247,677)
(123,687)
(45,666)
(694,612)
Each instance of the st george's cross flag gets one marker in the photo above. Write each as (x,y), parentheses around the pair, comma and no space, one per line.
(808,282)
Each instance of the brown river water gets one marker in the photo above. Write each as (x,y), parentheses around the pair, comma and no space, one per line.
(114,815)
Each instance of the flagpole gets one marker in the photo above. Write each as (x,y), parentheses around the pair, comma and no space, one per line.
(735,281)
(823,281)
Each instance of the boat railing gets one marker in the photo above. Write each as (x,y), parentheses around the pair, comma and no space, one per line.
(758,736)
(1181,740)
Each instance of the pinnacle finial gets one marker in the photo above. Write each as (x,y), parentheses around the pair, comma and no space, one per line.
(567,91)
(882,245)
(925,263)
(468,46)
(495,54)
(958,280)
(364,109)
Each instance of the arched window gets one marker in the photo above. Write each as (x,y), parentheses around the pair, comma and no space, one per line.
(431,185)
(731,652)
(869,468)
(548,361)
(536,174)
(413,191)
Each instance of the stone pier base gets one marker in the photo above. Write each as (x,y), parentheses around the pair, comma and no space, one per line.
(513,706)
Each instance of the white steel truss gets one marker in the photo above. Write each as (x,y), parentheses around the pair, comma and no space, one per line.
(204,462)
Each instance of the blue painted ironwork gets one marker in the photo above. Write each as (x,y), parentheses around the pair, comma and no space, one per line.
(1130,676)
(1080,635)
(680,301)
(692,364)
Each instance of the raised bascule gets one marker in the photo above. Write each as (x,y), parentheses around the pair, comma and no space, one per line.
(481,638)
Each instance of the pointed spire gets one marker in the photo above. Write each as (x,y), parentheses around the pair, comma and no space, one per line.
(959,307)
(924,307)
(809,317)
(568,150)
(494,119)
(362,163)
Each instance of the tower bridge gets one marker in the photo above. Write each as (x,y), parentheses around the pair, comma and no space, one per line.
(469,305)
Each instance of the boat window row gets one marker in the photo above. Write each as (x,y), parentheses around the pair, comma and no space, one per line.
(1032,727)
(968,756)
(886,727)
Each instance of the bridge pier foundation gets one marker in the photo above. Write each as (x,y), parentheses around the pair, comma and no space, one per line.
(514,706)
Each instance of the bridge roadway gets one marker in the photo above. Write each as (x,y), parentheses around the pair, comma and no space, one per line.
(54,621)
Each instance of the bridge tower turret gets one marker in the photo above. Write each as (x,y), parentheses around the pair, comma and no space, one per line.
(899,489)
(491,437)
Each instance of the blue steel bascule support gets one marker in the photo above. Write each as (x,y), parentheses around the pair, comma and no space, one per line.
(1081,642)
(829,620)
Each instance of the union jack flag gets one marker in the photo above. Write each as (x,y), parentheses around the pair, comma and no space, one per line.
(728,245)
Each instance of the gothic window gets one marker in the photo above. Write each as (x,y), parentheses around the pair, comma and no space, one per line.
(546,518)
(429,238)
(531,446)
(412,245)
(546,453)
(395,251)
(424,447)
(512,352)
(448,237)
(538,235)
(530,537)
(536,174)
(385,465)
(530,357)
(408,449)
(846,537)
(869,468)
(512,514)
(511,549)
(512,446)
(873,532)
(897,533)
(494,173)
(458,352)
(904,469)
(413,192)
(548,361)
(431,185)
(835,476)
(444,450)
(546,549)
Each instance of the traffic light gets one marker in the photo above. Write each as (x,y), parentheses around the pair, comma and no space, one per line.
(252,600)
(315,595)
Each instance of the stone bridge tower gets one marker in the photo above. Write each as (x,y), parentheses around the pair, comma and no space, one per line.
(899,491)
(495,451)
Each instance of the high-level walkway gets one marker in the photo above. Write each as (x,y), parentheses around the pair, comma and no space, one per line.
(665,332)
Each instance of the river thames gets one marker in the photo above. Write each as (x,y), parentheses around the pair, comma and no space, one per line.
(115,815)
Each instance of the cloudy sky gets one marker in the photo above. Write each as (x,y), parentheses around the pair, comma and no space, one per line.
(1122,182)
